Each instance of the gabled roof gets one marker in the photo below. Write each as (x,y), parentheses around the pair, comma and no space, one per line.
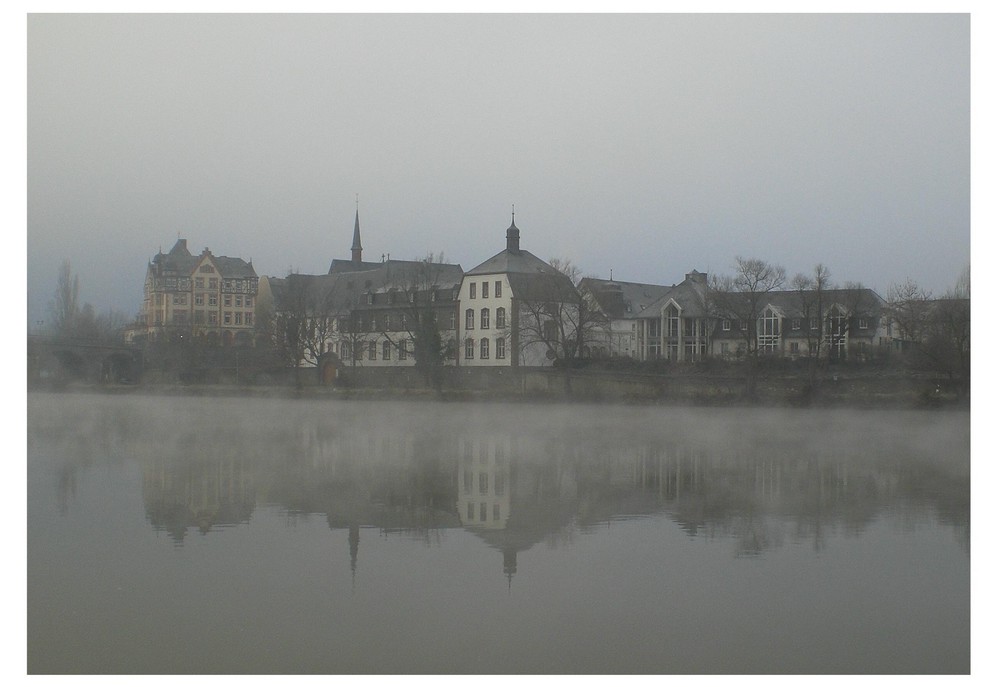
(345,289)
(622,299)
(691,296)
(180,262)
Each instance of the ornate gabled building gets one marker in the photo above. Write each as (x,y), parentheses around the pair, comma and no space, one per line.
(206,296)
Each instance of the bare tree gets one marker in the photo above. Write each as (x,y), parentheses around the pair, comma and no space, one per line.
(412,314)
(741,298)
(65,307)
(935,333)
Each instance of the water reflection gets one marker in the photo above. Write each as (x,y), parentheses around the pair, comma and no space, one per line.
(758,479)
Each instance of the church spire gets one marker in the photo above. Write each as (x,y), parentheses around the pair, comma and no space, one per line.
(356,246)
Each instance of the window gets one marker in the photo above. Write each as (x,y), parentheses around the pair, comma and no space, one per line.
(498,288)
(482,512)
(484,483)
(451,319)
(248,301)
(793,348)
(359,351)
(862,323)
(372,350)
(813,323)
(213,300)
(498,483)
(249,318)
(199,282)
(796,323)
(484,348)
(180,299)
(369,298)
(769,332)
(412,296)
(159,299)
(402,349)
(386,350)
(239,301)
(727,325)
(501,348)
(724,349)
(501,317)
(227,301)
(213,283)
(345,350)
(227,318)
(486,289)
(238,318)
(206,268)
(470,319)
(471,511)
(470,349)
(213,318)
(199,299)
(472,289)
(496,511)
(484,318)
(199,317)
(743,325)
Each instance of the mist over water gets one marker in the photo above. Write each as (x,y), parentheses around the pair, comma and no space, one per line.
(247,535)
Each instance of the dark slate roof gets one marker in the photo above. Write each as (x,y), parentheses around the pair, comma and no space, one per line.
(345,289)
(691,295)
(180,261)
(338,265)
(233,268)
(530,277)
(521,262)
(622,299)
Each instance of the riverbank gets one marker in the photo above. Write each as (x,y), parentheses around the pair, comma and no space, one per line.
(844,389)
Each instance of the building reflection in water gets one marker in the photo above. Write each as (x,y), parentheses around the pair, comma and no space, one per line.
(515,489)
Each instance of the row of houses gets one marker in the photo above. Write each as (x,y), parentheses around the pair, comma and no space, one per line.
(513,309)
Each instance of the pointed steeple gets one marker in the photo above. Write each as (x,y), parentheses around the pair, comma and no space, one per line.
(356,246)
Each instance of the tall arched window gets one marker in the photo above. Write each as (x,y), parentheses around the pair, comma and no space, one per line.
(470,319)
(470,348)
(484,318)
(484,348)
(501,318)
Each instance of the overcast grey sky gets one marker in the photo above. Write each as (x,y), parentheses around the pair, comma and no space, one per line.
(646,144)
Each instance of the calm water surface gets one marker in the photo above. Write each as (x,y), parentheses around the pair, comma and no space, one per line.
(196,535)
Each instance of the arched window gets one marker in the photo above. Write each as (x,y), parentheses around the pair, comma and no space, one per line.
(501,318)
(470,349)
(484,318)
(345,350)
(386,350)
(501,348)
(470,319)
(484,348)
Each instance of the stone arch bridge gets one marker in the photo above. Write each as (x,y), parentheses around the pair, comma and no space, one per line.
(53,360)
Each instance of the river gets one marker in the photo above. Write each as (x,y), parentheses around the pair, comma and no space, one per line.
(250,535)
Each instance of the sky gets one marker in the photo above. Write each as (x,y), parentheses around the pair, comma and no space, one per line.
(646,144)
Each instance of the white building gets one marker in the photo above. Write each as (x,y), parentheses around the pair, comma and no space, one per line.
(509,309)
